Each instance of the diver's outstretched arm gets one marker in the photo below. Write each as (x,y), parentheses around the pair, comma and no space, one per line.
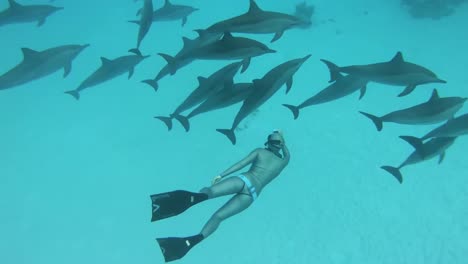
(241,164)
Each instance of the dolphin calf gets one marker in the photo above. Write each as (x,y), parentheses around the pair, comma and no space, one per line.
(170,12)
(433,111)
(396,72)
(257,21)
(227,48)
(181,59)
(227,96)
(432,148)
(109,69)
(17,13)
(218,80)
(263,89)
(452,128)
(145,22)
(39,64)
(343,86)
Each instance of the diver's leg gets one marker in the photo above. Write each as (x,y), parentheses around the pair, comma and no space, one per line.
(228,186)
(234,206)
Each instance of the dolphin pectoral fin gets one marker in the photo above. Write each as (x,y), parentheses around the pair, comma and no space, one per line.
(67,70)
(277,36)
(184,21)
(130,73)
(74,93)
(441,157)
(136,52)
(407,90)
(375,119)
(417,145)
(289,84)
(394,171)
(171,62)
(152,83)
(362,92)
(167,121)
(294,110)
(229,133)
(245,64)
(334,70)
(41,22)
(184,121)
(137,22)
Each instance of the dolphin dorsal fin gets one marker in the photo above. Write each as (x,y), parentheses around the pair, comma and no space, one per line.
(201,80)
(435,95)
(187,42)
(254,7)
(29,53)
(167,3)
(227,36)
(398,58)
(13,4)
(105,61)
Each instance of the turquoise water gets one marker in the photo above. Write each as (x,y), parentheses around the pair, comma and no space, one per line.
(75,176)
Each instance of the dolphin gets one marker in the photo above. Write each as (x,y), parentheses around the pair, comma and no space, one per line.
(257,21)
(343,86)
(432,148)
(109,69)
(207,86)
(227,48)
(452,128)
(170,12)
(145,21)
(263,89)
(433,111)
(227,96)
(396,72)
(18,13)
(39,64)
(180,59)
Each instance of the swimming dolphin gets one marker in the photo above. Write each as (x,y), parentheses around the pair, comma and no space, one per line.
(227,96)
(433,111)
(263,89)
(207,86)
(170,12)
(109,69)
(39,64)
(181,59)
(145,21)
(343,86)
(432,148)
(18,13)
(227,48)
(396,72)
(452,128)
(257,21)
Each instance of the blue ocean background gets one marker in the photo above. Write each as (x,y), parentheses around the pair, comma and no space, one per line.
(75,176)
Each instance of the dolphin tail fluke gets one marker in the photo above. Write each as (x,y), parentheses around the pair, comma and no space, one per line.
(171,62)
(394,171)
(416,143)
(74,93)
(167,121)
(294,110)
(184,121)
(152,83)
(334,70)
(229,133)
(377,120)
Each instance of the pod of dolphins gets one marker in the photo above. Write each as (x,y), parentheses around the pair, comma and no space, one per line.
(220,42)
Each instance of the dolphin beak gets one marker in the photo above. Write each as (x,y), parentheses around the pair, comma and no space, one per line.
(270,51)
(441,81)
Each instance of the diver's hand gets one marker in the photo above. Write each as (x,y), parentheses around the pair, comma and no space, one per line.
(216,180)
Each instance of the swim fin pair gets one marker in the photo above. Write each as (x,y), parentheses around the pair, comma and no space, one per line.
(165,205)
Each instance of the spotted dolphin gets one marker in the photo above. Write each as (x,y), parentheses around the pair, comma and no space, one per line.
(108,70)
(396,72)
(207,86)
(435,110)
(227,96)
(257,21)
(17,13)
(423,151)
(39,64)
(343,86)
(263,89)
